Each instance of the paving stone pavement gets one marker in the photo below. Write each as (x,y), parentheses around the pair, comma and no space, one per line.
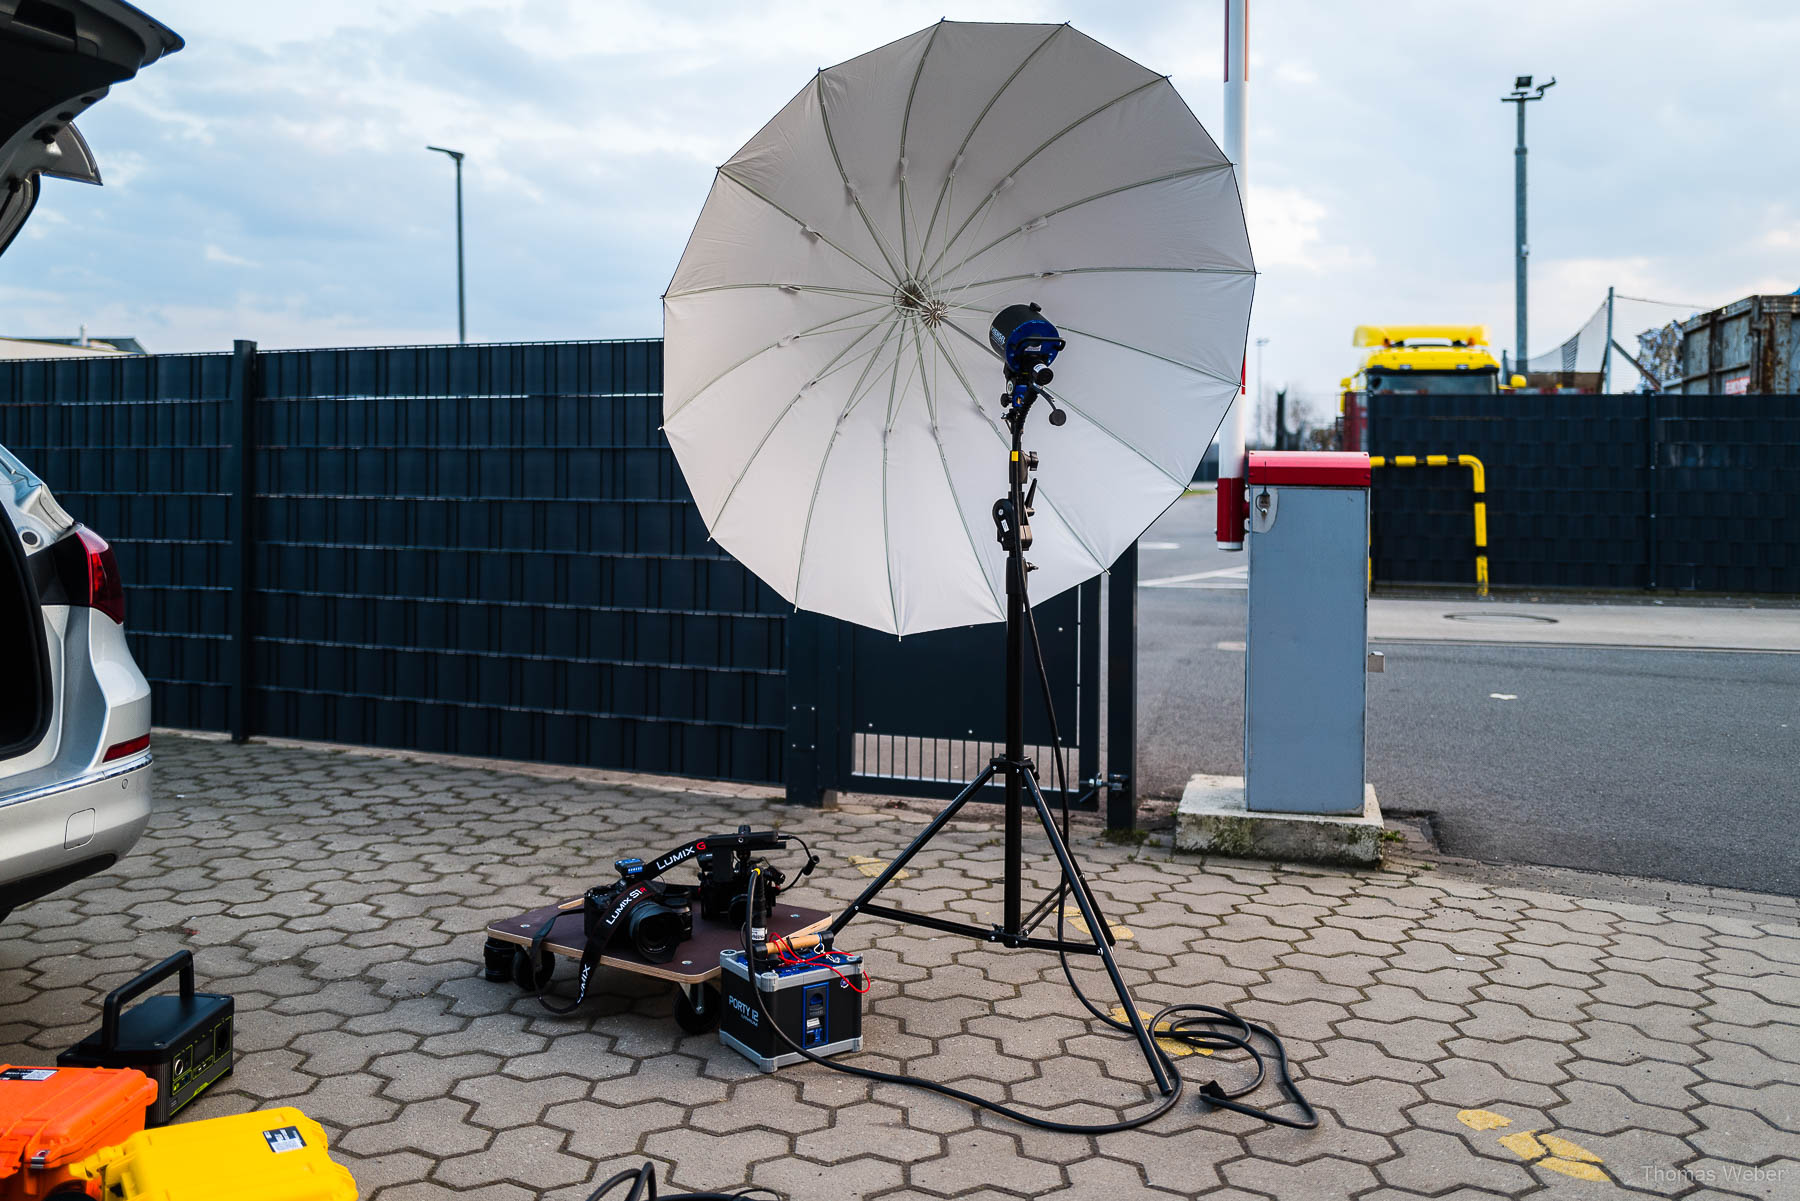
(341,896)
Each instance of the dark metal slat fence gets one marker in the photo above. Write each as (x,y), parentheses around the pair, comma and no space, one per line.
(490,550)
(1668,493)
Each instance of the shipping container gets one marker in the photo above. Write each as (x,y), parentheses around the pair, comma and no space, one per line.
(1751,347)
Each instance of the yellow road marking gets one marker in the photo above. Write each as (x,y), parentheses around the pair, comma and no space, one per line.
(1581,1171)
(871,867)
(1174,1046)
(1524,1144)
(1565,1149)
(1549,1151)
(1072,916)
(1482,1119)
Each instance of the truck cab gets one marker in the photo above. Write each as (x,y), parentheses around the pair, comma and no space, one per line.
(1414,360)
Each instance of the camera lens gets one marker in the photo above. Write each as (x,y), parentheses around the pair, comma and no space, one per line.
(655,933)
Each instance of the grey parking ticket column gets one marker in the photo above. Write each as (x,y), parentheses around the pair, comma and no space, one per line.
(1307,648)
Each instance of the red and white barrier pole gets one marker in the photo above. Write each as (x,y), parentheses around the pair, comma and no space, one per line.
(1234,507)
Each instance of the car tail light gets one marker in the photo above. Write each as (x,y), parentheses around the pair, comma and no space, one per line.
(91,574)
(130,746)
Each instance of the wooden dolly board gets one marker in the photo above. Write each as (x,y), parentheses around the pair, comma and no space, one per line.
(694,968)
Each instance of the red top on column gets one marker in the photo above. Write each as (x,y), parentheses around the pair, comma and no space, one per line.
(1310,468)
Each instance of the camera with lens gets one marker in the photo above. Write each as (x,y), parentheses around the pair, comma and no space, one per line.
(642,913)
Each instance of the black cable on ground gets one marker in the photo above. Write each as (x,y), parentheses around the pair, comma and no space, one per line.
(642,1187)
(1201,1026)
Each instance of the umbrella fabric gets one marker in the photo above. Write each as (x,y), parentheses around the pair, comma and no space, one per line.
(828,388)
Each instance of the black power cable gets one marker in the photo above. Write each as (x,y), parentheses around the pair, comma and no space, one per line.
(641,1186)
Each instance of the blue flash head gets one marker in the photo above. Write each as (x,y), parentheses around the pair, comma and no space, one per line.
(1024,338)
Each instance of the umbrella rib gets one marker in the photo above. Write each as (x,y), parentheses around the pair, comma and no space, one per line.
(805,228)
(1196,369)
(1142,183)
(944,461)
(887,529)
(855,196)
(1024,162)
(1052,272)
(956,369)
(1086,416)
(925,243)
(905,129)
(1070,405)
(773,425)
(819,479)
(826,288)
(702,390)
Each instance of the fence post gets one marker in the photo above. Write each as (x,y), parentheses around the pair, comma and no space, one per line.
(1653,443)
(811,767)
(240,574)
(1121,692)
(1087,715)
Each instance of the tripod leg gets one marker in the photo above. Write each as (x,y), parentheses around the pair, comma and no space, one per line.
(1104,930)
(899,861)
(1091,914)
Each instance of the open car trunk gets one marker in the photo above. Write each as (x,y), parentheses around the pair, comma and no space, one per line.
(25,698)
(57,57)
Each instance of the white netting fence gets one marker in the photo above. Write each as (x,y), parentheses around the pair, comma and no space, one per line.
(1648,330)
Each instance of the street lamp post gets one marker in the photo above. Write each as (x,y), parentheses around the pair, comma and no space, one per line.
(1522,93)
(462,322)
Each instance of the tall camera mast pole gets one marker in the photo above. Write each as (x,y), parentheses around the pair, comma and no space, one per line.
(1234,510)
(1522,94)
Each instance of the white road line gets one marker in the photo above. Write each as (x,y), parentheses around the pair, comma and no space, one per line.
(1193,580)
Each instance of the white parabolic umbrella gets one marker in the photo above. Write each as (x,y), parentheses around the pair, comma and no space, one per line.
(828,387)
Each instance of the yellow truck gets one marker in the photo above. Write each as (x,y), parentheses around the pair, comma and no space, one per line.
(1436,359)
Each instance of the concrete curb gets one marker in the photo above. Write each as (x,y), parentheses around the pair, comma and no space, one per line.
(1211,819)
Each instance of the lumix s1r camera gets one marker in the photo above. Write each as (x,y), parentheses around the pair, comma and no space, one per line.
(654,924)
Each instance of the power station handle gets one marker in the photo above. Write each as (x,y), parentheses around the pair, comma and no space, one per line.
(180,961)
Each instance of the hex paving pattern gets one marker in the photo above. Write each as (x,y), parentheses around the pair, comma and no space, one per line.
(342,896)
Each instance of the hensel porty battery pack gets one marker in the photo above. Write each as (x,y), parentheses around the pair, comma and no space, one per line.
(184,1043)
(815,1006)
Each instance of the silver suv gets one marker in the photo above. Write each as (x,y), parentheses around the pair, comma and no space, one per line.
(74,708)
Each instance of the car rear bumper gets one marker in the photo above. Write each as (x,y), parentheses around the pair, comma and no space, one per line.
(58,833)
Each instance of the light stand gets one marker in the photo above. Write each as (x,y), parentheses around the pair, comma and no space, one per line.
(1027,353)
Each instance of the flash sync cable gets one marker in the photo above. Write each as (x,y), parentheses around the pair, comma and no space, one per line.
(1203,1027)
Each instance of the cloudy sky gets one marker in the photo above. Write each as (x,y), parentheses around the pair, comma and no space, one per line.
(270,181)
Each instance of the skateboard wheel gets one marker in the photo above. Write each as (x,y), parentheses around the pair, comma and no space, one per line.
(496,960)
(523,975)
(697,1018)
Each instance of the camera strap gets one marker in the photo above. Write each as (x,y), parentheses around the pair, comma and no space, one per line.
(603,911)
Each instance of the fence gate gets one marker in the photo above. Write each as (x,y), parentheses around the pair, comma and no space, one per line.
(921,716)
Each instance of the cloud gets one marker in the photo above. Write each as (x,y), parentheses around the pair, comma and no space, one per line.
(289,147)
(217,254)
(1287,230)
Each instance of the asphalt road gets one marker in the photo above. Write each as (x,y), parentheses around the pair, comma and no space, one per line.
(1679,765)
